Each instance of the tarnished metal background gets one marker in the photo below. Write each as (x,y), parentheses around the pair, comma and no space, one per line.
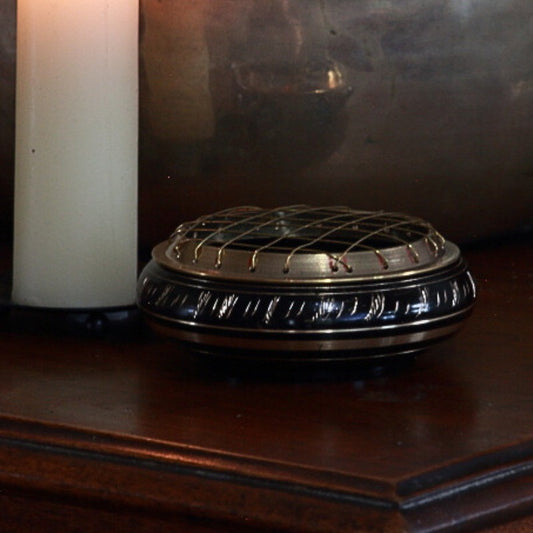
(437,120)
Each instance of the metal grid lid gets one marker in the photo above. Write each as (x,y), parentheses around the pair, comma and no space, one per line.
(303,244)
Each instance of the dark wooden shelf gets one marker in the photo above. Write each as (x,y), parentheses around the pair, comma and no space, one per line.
(136,435)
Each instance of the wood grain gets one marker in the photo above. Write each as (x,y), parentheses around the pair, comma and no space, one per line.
(97,434)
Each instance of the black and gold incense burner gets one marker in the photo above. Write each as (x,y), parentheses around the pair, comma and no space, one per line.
(302,283)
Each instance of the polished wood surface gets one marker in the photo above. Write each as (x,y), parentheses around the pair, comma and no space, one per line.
(137,435)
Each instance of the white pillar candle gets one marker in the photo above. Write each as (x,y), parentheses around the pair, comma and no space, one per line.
(75,238)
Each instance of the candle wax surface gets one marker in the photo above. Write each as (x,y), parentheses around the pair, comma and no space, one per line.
(76,153)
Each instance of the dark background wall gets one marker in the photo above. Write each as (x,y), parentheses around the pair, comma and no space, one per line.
(7,109)
(437,121)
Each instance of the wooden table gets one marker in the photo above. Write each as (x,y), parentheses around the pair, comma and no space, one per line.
(135,435)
